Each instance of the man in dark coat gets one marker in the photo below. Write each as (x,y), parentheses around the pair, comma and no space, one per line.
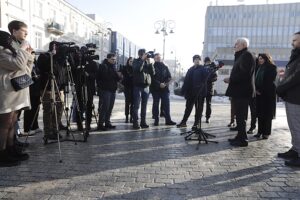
(160,90)
(289,90)
(194,90)
(241,88)
(210,87)
(107,80)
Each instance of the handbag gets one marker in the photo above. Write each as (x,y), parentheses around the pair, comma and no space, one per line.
(21,82)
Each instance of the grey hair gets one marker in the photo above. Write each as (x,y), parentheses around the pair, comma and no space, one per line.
(244,40)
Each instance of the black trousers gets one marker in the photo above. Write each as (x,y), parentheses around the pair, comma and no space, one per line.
(264,126)
(252,105)
(190,102)
(241,108)
(89,110)
(208,106)
(29,114)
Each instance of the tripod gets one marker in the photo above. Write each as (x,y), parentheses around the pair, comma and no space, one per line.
(197,130)
(75,103)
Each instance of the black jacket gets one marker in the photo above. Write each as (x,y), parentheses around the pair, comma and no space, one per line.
(289,88)
(142,73)
(107,77)
(127,72)
(91,70)
(211,79)
(195,82)
(241,81)
(162,75)
(59,70)
(266,101)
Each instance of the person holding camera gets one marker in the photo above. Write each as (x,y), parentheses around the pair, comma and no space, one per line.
(14,62)
(194,90)
(210,87)
(107,81)
(142,71)
(241,88)
(160,90)
(59,72)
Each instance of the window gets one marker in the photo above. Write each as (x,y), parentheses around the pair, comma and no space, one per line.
(39,9)
(38,40)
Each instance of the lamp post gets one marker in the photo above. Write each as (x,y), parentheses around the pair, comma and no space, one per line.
(175,63)
(104,30)
(164,26)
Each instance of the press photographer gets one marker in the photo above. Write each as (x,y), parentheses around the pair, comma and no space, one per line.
(60,75)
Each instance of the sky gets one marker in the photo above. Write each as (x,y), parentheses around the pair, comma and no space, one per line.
(135,20)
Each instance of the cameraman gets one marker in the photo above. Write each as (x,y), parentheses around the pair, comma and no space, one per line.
(160,90)
(194,90)
(44,66)
(210,86)
(91,69)
(142,71)
(107,81)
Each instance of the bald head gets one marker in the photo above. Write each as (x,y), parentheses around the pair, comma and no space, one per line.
(296,40)
(240,44)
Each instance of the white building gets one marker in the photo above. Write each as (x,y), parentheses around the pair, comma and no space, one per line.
(57,20)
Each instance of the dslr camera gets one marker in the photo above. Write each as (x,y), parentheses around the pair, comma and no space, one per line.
(150,54)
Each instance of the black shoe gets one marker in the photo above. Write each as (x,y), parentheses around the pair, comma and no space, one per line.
(144,125)
(170,123)
(194,127)
(290,154)
(21,144)
(181,125)
(239,143)
(62,127)
(136,126)
(101,128)
(109,126)
(265,137)
(52,136)
(257,135)
(231,124)
(17,153)
(251,130)
(207,121)
(7,160)
(233,129)
(293,163)
(232,139)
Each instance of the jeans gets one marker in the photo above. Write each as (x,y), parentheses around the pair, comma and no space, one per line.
(106,104)
(140,93)
(165,102)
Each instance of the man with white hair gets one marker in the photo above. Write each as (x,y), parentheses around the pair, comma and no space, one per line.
(241,88)
(289,90)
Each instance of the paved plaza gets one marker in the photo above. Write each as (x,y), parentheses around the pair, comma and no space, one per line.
(156,163)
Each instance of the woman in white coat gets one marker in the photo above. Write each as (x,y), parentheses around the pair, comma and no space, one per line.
(13,63)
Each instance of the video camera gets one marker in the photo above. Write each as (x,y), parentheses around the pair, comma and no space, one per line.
(216,65)
(88,54)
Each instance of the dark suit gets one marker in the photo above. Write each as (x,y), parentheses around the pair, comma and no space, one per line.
(241,88)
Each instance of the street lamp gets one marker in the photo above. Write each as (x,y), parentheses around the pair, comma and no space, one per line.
(104,30)
(175,63)
(164,26)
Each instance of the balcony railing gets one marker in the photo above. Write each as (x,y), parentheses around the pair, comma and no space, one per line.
(55,28)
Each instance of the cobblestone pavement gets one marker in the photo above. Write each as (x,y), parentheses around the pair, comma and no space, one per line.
(156,163)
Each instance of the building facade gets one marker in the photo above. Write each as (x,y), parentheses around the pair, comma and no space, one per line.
(269,28)
(57,20)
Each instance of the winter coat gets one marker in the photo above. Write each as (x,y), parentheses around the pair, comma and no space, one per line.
(107,77)
(142,73)
(289,87)
(162,75)
(11,67)
(266,101)
(195,82)
(241,81)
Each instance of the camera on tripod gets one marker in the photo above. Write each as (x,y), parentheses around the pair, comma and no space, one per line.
(88,54)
